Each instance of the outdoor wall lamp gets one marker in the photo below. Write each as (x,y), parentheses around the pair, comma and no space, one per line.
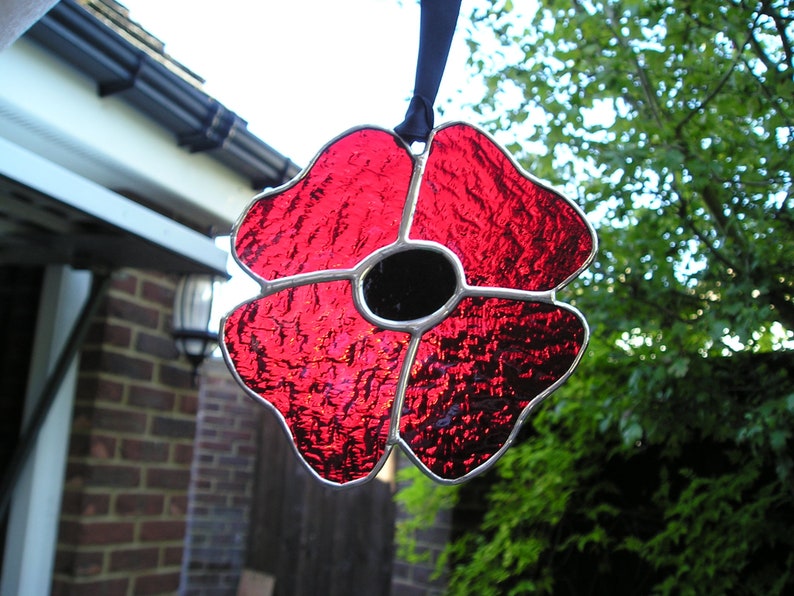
(191,321)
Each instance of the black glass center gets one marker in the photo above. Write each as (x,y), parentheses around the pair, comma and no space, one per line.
(409,285)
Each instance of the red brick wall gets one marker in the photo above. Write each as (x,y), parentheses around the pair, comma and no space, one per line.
(123,516)
(221,485)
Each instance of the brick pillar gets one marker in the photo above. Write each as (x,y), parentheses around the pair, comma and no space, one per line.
(417,578)
(221,485)
(123,515)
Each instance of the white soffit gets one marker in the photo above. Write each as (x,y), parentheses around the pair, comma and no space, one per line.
(51,109)
(49,214)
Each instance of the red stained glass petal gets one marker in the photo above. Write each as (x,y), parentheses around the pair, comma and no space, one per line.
(330,373)
(476,372)
(507,230)
(348,204)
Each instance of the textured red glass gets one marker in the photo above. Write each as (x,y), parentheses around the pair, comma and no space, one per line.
(483,356)
(330,374)
(476,372)
(507,230)
(346,205)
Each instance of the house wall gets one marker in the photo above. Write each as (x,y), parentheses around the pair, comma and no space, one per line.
(124,510)
(161,475)
(221,486)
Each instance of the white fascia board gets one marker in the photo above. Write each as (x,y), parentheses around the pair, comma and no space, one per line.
(51,109)
(52,180)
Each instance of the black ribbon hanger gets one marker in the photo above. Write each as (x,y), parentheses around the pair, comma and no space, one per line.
(436,28)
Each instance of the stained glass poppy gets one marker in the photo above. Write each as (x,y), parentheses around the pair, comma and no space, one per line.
(407,300)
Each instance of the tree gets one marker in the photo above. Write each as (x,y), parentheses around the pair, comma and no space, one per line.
(664,465)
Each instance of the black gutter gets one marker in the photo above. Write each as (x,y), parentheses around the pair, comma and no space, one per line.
(198,122)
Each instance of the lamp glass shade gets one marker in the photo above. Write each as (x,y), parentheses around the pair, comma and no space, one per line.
(192,312)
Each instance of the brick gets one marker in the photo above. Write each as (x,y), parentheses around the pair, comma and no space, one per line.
(234,461)
(85,504)
(103,587)
(160,583)
(250,424)
(76,474)
(79,445)
(216,420)
(64,561)
(118,335)
(96,334)
(168,478)
(214,472)
(243,477)
(88,563)
(174,427)
(172,556)
(102,447)
(127,366)
(93,387)
(177,505)
(401,569)
(210,445)
(212,498)
(217,392)
(68,532)
(242,501)
(106,532)
(236,435)
(175,376)
(90,360)
(148,451)
(125,282)
(99,446)
(242,410)
(71,501)
(139,504)
(151,398)
(113,476)
(188,404)
(134,559)
(161,293)
(133,312)
(156,345)
(247,450)
(155,531)
(118,420)
(109,334)
(183,454)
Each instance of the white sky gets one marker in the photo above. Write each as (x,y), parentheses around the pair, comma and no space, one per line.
(302,72)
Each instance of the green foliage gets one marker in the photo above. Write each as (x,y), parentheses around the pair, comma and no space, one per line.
(664,465)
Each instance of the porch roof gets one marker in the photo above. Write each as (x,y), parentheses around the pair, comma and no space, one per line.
(49,215)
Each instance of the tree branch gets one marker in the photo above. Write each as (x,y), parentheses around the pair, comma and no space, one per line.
(720,84)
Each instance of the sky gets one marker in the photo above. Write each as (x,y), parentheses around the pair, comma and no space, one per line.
(303,72)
